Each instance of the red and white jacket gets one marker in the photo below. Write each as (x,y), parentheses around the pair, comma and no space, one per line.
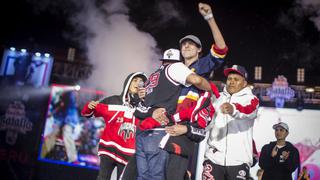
(118,138)
(230,138)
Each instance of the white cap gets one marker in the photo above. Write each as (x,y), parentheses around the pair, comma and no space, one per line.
(281,124)
(171,55)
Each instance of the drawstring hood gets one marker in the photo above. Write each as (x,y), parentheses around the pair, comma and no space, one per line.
(125,98)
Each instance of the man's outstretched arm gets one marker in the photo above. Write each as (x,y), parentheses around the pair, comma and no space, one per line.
(206,11)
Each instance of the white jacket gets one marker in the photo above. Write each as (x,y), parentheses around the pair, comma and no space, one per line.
(230,136)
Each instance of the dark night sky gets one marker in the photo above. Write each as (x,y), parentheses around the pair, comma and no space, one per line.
(253,31)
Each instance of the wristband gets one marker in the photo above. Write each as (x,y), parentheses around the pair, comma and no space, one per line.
(208,16)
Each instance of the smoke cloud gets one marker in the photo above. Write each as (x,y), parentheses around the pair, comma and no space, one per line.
(311,8)
(303,20)
(296,17)
(114,45)
(164,13)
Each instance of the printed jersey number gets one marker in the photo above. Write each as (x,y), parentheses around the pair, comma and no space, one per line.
(153,82)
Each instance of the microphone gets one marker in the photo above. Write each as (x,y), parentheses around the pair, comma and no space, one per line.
(141,90)
(141,85)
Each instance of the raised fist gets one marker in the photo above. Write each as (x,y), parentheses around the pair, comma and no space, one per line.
(204,9)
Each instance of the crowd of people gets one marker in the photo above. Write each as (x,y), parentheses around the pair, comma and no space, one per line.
(153,128)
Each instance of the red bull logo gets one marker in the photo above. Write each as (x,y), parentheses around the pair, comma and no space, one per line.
(15,121)
(280,91)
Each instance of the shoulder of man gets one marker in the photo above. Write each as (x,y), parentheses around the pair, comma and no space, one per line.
(291,146)
(248,94)
(179,64)
(177,72)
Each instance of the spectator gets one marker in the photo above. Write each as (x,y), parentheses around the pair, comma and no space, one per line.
(279,159)
(304,175)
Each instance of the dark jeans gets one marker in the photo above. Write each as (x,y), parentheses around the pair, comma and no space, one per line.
(213,171)
(106,167)
(130,172)
(177,167)
(151,160)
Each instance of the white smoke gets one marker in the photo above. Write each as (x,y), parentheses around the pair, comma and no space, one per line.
(116,47)
(168,11)
(311,7)
(164,13)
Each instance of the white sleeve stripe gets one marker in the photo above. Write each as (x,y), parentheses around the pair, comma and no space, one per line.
(126,150)
(113,116)
(199,102)
(206,94)
(113,157)
(117,108)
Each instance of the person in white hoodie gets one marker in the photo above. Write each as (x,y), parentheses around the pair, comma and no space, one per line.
(229,152)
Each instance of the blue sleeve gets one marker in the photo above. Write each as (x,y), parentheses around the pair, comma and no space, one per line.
(208,63)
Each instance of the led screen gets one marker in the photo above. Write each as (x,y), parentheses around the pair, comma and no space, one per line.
(69,138)
(23,68)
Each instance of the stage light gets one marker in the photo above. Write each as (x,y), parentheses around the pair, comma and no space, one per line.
(46,55)
(257,73)
(38,54)
(77,87)
(23,50)
(12,48)
(309,90)
(300,75)
(71,54)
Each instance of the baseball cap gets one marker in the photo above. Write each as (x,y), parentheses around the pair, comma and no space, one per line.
(281,124)
(237,69)
(193,38)
(171,55)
